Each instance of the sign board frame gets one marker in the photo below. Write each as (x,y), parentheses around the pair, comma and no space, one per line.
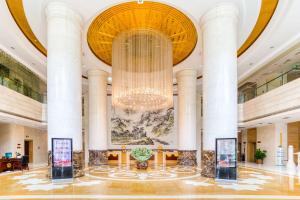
(226,159)
(62,158)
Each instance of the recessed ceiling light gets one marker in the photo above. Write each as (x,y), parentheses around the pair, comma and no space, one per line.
(251,64)
(271,47)
(286,118)
(13,48)
(33,63)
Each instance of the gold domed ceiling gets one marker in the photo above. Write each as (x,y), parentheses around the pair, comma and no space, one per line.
(149,15)
(17,11)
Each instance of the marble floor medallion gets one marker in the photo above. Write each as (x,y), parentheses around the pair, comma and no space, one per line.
(157,182)
(153,173)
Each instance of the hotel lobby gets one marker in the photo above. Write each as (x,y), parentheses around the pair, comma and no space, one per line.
(153,99)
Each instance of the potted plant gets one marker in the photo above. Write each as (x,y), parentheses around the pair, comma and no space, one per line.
(141,155)
(260,155)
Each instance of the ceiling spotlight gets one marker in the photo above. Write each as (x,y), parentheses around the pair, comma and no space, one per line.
(271,47)
(140,1)
(251,64)
(13,48)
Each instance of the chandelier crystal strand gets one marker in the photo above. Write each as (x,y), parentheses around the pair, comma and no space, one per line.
(142,75)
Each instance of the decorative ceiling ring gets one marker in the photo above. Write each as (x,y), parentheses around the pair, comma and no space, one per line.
(18,13)
(267,10)
(149,15)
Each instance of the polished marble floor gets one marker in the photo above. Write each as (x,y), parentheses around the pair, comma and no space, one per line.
(158,182)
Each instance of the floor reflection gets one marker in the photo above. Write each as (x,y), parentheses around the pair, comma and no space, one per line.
(157,182)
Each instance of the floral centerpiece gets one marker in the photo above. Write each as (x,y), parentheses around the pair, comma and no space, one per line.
(141,155)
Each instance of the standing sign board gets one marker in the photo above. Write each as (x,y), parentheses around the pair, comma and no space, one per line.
(226,164)
(62,158)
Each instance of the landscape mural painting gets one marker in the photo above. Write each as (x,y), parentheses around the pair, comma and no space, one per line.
(142,128)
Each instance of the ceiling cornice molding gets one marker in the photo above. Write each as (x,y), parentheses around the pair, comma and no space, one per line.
(17,11)
(267,10)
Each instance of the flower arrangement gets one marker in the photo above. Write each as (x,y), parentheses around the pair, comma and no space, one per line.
(142,155)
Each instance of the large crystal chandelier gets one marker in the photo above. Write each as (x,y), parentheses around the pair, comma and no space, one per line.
(142,76)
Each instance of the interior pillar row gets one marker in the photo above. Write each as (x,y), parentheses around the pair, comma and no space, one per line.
(219,37)
(64,84)
(97,117)
(186,84)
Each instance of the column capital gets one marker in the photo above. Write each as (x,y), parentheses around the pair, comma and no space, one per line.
(97,72)
(62,10)
(186,72)
(223,10)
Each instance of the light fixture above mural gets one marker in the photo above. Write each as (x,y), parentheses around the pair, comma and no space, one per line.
(142,75)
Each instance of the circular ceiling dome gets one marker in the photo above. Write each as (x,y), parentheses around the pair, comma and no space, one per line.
(149,15)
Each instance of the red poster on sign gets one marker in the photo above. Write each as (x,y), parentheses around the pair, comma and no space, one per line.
(62,152)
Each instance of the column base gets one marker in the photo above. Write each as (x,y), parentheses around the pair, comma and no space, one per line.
(98,157)
(78,164)
(49,175)
(208,164)
(187,157)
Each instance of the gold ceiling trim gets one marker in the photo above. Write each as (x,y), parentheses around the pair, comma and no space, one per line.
(267,10)
(17,11)
(147,16)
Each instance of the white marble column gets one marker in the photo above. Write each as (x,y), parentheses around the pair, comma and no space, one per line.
(97,116)
(219,37)
(64,78)
(186,84)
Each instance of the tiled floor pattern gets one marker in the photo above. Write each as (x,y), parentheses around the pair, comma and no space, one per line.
(114,182)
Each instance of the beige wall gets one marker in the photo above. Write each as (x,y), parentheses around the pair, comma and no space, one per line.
(17,104)
(281,99)
(11,135)
(281,127)
(266,140)
(39,139)
(4,136)
(293,136)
